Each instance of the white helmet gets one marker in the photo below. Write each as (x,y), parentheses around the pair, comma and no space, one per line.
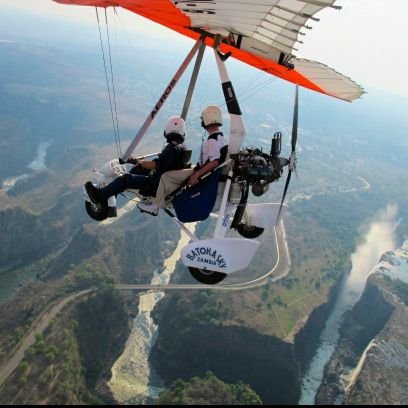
(211,115)
(175,124)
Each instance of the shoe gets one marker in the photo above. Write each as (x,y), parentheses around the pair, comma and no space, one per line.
(93,192)
(112,212)
(151,208)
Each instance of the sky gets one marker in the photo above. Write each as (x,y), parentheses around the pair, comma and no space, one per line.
(366,40)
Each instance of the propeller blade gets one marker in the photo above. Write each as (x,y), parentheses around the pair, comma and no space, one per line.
(292,160)
(284,196)
(295,119)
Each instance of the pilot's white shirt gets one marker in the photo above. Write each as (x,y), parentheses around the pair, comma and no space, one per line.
(212,149)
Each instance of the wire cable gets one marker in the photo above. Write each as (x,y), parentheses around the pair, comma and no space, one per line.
(140,65)
(107,80)
(113,86)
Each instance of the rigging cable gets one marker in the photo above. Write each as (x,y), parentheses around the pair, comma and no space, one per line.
(115,128)
(113,83)
(140,65)
(255,89)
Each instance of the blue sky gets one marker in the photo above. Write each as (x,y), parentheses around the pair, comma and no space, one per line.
(366,40)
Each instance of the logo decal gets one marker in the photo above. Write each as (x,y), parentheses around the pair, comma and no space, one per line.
(163,98)
(259,50)
(207,255)
(194,3)
(225,220)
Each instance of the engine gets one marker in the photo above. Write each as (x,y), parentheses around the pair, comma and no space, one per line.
(258,168)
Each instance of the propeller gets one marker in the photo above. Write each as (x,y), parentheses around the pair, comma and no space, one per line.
(292,158)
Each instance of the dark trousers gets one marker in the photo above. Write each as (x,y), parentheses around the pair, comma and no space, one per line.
(121,183)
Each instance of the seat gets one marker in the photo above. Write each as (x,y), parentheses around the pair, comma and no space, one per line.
(185,159)
(196,203)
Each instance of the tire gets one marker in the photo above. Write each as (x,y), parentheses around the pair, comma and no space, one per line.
(207,277)
(250,232)
(97,212)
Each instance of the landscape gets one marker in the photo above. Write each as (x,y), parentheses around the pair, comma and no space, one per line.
(71,335)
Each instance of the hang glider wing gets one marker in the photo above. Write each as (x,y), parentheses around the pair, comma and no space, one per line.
(261,33)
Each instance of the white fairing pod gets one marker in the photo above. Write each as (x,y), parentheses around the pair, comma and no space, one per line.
(225,255)
(106,174)
(262,215)
(112,169)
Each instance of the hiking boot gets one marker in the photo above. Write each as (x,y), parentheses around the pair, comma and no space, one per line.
(93,192)
(149,208)
(112,212)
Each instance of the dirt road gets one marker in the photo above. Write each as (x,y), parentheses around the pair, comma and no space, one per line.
(29,339)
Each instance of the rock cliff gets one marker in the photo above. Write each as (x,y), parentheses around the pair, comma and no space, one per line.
(307,339)
(370,364)
(232,353)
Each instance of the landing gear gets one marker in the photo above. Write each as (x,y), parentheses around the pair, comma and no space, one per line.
(207,277)
(98,212)
(249,231)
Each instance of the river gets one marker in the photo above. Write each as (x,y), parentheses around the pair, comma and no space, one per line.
(133,380)
(380,237)
(38,163)
(10,280)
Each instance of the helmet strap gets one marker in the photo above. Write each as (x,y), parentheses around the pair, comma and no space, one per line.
(174,137)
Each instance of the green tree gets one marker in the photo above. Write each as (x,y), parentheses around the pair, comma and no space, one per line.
(208,391)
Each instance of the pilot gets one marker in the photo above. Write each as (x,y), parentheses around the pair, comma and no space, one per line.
(169,159)
(211,121)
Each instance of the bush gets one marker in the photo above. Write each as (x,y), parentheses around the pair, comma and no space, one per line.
(208,391)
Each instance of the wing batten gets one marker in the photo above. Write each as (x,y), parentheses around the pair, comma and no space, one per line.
(260,31)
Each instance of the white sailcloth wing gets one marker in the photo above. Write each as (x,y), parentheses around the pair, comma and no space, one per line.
(270,29)
(262,33)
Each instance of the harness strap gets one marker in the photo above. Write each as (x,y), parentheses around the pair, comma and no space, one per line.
(223,150)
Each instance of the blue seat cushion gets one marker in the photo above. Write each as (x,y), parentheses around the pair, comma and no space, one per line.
(197,202)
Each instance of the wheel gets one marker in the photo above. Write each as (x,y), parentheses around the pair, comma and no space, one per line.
(98,212)
(207,277)
(249,231)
